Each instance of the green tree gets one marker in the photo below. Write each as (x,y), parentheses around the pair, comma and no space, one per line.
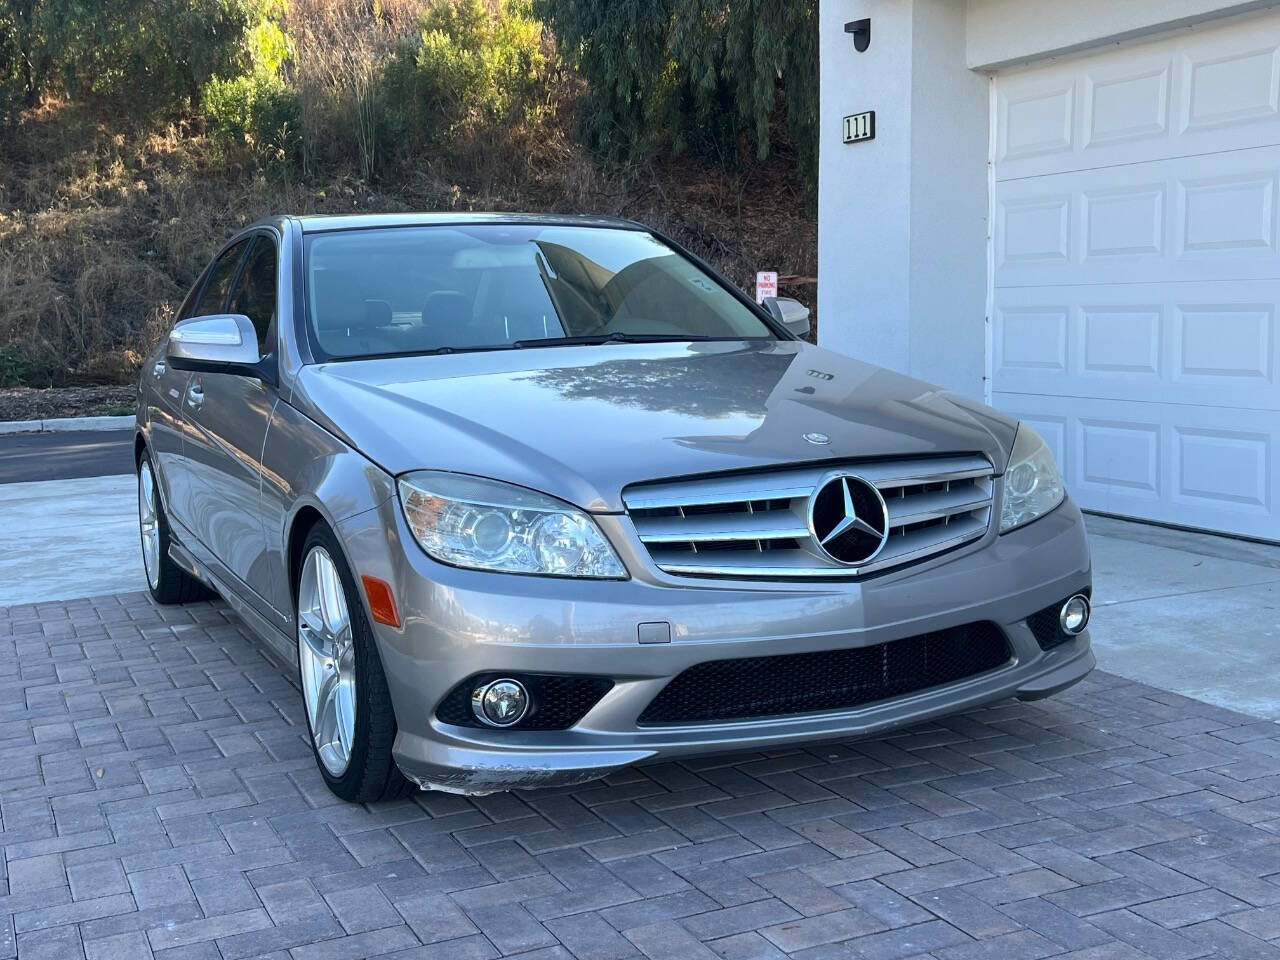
(693,73)
(145,55)
(24,54)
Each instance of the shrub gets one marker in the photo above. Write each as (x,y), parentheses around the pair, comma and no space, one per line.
(258,112)
(18,368)
(341,50)
(466,69)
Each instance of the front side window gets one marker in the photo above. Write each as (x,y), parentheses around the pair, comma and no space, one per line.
(405,290)
(255,294)
(223,274)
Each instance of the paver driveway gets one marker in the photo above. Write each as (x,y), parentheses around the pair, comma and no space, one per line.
(157,795)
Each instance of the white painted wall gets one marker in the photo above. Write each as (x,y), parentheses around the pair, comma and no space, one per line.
(863,189)
(1003,32)
(950,139)
(902,219)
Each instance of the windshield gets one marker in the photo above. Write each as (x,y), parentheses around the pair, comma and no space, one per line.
(402,290)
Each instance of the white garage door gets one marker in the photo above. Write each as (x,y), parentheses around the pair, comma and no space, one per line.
(1137,274)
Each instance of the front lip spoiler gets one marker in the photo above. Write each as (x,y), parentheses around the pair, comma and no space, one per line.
(1056,680)
(476,769)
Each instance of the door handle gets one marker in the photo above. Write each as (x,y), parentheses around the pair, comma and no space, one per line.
(195,396)
(158,370)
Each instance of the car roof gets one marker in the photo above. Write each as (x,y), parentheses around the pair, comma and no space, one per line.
(316,223)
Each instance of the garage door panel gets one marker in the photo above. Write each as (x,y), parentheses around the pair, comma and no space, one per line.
(1230,78)
(1136,271)
(1185,218)
(1213,89)
(1176,464)
(1229,348)
(1037,122)
(1124,103)
(1205,343)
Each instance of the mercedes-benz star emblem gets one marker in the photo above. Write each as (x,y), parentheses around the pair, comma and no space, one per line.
(818,438)
(849,519)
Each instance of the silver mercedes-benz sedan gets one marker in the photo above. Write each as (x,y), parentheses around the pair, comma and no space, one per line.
(526,499)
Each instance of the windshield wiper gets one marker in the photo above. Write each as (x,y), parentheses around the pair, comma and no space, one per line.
(599,338)
(432,352)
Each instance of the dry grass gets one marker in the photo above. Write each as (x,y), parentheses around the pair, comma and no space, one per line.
(103,231)
(339,49)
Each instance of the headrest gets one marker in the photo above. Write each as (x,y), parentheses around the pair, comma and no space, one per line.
(446,310)
(340,303)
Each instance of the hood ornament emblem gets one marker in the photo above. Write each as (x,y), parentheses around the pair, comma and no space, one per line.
(818,438)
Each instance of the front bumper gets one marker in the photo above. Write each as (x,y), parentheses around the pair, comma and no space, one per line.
(458,623)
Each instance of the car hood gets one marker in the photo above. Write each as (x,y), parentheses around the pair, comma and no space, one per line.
(583,422)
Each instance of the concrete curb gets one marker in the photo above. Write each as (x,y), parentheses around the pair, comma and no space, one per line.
(64,424)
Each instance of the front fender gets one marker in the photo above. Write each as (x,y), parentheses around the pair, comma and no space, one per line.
(308,473)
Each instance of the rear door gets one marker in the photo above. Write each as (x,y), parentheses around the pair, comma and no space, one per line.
(228,417)
(164,389)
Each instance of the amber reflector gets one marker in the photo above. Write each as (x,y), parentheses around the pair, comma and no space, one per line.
(382,603)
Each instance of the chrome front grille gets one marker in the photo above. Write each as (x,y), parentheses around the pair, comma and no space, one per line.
(757,524)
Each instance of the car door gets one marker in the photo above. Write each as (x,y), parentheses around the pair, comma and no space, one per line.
(179,474)
(228,416)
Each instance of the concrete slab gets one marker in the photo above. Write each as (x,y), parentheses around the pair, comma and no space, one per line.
(1188,612)
(61,539)
(1220,646)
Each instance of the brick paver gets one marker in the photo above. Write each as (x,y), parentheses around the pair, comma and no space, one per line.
(157,796)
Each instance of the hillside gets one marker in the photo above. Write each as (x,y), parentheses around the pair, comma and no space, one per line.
(102,230)
(130,151)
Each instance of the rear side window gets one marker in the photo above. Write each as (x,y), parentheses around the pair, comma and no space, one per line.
(214,298)
(255,295)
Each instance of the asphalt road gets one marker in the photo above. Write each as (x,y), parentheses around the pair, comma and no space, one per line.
(64,456)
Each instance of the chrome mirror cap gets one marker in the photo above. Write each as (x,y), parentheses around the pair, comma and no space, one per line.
(791,313)
(224,338)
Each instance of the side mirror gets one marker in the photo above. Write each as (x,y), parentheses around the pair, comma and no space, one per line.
(792,314)
(219,343)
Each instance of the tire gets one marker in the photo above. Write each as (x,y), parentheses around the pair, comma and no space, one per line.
(340,667)
(167,582)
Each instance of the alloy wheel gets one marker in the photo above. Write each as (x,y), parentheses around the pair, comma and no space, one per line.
(326,655)
(149,523)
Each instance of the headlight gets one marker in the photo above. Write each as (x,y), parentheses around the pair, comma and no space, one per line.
(487,525)
(1032,484)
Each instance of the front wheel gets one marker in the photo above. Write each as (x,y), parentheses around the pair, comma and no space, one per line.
(344,691)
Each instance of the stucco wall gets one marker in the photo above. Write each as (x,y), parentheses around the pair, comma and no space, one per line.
(902,218)
(950,140)
(863,222)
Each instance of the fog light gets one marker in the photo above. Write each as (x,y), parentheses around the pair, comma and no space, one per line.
(1074,616)
(500,703)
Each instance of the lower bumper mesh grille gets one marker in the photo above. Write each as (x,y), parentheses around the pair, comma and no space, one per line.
(827,680)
